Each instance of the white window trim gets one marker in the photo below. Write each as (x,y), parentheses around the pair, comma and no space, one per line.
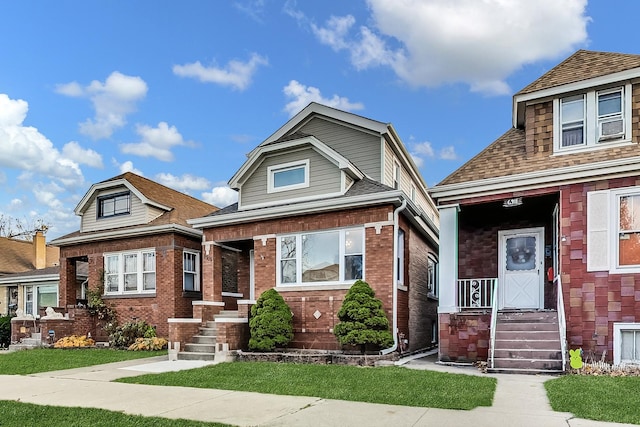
(400,259)
(617,339)
(342,254)
(591,127)
(433,291)
(272,170)
(196,283)
(140,273)
(35,291)
(602,232)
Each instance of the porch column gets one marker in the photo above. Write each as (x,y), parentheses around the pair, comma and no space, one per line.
(448,258)
(67,285)
(212,272)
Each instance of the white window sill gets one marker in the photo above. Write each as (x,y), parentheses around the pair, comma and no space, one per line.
(131,295)
(320,287)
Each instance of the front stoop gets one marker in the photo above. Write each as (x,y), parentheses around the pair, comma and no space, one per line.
(527,342)
(203,345)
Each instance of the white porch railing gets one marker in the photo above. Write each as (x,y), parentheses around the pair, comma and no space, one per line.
(562,320)
(476,293)
(494,322)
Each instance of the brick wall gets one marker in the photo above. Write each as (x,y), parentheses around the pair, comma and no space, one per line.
(168,301)
(464,337)
(315,311)
(594,301)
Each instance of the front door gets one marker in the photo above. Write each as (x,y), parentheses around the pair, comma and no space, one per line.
(521,268)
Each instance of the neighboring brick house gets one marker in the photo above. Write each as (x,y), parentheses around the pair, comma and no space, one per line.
(553,203)
(137,244)
(28,275)
(329,198)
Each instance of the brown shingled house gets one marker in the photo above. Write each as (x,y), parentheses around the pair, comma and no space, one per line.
(28,274)
(138,246)
(540,232)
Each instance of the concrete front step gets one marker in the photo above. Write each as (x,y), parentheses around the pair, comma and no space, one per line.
(187,355)
(200,348)
(526,326)
(525,371)
(529,354)
(528,344)
(527,335)
(209,332)
(528,316)
(204,339)
(527,364)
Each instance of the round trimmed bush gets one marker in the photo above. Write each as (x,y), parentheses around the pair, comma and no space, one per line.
(271,323)
(363,322)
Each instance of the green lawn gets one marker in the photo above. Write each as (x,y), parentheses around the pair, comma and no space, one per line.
(601,398)
(17,414)
(390,385)
(24,362)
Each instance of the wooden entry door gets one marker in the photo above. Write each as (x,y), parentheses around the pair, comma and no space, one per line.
(521,275)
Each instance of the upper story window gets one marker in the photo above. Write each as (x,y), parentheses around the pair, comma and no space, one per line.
(288,176)
(396,175)
(593,118)
(326,257)
(114,204)
(130,272)
(191,271)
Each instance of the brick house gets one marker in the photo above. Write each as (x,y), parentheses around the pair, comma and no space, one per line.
(137,245)
(540,232)
(28,275)
(329,198)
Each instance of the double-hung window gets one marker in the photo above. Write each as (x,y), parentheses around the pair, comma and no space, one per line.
(288,176)
(191,271)
(130,272)
(114,204)
(613,230)
(432,276)
(40,296)
(325,257)
(594,118)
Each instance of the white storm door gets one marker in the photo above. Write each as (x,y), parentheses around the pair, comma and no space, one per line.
(521,268)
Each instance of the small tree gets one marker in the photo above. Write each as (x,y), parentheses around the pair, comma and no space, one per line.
(271,323)
(363,322)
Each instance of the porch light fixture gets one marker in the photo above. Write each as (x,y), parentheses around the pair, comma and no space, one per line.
(511,203)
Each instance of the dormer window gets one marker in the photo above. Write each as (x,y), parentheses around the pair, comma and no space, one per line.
(591,119)
(288,176)
(114,204)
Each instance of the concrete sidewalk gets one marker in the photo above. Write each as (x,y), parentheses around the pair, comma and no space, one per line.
(520,400)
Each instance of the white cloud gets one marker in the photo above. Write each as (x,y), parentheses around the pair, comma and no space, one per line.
(47,195)
(253,8)
(435,42)
(75,152)
(423,149)
(221,196)
(15,204)
(448,153)
(156,142)
(112,100)
(417,159)
(186,183)
(236,74)
(302,95)
(127,167)
(25,148)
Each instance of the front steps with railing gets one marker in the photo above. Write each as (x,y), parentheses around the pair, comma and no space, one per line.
(527,342)
(203,345)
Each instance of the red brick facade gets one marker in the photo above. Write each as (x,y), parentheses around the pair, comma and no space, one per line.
(594,301)
(168,300)
(315,310)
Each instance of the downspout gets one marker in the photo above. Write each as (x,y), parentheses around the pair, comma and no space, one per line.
(396,214)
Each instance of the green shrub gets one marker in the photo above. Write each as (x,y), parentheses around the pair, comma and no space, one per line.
(271,323)
(126,334)
(5,331)
(363,322)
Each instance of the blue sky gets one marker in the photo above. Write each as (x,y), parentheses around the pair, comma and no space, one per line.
(180,91)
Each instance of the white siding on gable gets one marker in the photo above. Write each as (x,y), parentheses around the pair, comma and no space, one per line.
(324,178)
(139,214)
(359,147)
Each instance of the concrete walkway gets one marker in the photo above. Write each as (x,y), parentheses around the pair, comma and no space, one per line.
(520,400)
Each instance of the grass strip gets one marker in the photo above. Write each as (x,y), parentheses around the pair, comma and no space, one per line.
(24,362)
(600,398)
(18,414)
(388,385)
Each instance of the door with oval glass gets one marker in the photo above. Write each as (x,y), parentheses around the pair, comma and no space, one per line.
(520,265)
